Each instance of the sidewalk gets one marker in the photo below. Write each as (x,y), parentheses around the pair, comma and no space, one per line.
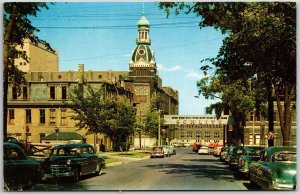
(122,158)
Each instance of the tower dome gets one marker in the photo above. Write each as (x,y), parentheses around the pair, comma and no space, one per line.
(143,22)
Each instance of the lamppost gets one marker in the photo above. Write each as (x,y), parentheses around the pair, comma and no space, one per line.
(253,138)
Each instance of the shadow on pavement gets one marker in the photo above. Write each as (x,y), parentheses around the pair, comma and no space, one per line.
(251,187)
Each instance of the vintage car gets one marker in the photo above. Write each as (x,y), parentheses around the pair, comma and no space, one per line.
(276,169)
(173,149)
(72,161)
(167,151)
(196,147)
(157,151)
(234,156)
(249,154)
(217,151)
(203,150)
(20,172)
(223,153)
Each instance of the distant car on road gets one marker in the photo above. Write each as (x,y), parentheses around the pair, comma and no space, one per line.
(20,172)
(167,150)
(217,151)
(72,161)
(223,153)
(234,156)
(276,169)
(173,149)
(196,147)
(203,150)
(157,151)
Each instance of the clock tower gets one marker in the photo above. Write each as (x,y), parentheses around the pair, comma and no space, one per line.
(142,68)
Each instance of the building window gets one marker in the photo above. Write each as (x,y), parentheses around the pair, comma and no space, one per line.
(52,92)
(42,135)
(25,93)
(63,117)
(207,134)
(198,134)
(52,117)
(216,134)
(181,133)
(189,134)
(28,115)
(251,115)
(11,116)
(275,116)
(42,116)
(14,93)
(64,92)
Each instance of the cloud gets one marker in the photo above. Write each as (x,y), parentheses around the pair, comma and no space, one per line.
(194,75)
(160,67)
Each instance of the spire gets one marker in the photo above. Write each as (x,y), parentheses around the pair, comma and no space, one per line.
(143,31)
(143,9)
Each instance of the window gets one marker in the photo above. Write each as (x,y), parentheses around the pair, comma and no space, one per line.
(189,134)
(42,135)
(198,134)
(63,117)
(52,117)
(251,115)
(216,134)
(11,116)
(181,133)
(25,93)
(42,116)
(28,115)
(207,134)
(275,116)
(52,92)
(14,93)
(64,92)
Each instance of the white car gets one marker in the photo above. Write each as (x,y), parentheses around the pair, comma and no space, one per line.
(203,150)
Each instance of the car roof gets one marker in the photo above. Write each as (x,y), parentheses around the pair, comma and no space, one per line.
(75,145)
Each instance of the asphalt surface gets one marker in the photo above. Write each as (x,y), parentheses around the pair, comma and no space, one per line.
(186,171)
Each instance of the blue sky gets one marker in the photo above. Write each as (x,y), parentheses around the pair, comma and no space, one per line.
(102,35)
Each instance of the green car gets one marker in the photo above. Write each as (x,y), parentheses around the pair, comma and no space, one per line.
(249,154)
(276,169)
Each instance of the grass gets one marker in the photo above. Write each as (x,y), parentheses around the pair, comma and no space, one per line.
(110,160)
(132,154)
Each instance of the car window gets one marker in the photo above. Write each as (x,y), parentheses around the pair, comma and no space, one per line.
(284,156)
(12,153)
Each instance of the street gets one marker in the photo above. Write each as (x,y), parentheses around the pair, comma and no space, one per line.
(185,171)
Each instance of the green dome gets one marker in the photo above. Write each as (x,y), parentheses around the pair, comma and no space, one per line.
(143,21)
(142,52)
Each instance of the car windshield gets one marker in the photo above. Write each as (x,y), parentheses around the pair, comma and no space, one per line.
(252,152)
(157,148)
(285,156)
(65,151)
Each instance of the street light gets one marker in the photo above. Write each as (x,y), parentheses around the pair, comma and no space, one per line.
(253,126)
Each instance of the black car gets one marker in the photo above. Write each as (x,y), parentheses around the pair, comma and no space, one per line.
(234,156)
(20,172)
(72,161)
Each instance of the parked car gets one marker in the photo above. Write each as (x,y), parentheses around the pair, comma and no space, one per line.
(167,151)
(249,154)
(276,169)
(72,161)
(203,150)
(234,156)
(223,153)
(157,151)
(217,151)
(173,149)
(20,172)
(196,147)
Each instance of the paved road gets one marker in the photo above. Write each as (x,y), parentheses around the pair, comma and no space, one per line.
(185,171)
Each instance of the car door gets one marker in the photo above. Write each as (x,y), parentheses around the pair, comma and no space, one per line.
(93,159)
(17,167)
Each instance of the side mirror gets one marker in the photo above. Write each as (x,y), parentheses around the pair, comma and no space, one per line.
(273,158)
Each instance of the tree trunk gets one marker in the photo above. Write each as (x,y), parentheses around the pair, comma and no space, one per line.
(6,63)
(285,116)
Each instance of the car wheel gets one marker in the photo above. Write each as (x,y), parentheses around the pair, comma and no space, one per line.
(6,186)
(252,181)
(98,169)
(76,175)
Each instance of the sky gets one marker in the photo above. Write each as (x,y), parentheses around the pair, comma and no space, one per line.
(102,36)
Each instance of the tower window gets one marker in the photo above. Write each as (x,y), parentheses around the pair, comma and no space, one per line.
(52,92)
(64,92)
(28,115)
(42,116)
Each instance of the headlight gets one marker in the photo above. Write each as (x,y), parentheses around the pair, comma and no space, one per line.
(69,162)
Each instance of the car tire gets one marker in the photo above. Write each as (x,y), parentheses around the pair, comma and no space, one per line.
(76,175)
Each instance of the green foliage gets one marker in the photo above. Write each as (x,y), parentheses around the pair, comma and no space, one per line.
(152,117)
(114,118)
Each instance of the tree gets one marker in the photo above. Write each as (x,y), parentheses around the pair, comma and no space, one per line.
(98,114)
(261,41)
(17,27)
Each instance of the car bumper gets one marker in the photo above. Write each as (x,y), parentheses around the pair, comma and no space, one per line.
(282,186)
(57,171)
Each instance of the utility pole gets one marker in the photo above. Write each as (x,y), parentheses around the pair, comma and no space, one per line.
(159,143)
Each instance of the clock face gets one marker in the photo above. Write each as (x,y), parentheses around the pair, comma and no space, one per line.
(141,51)
(141,90)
